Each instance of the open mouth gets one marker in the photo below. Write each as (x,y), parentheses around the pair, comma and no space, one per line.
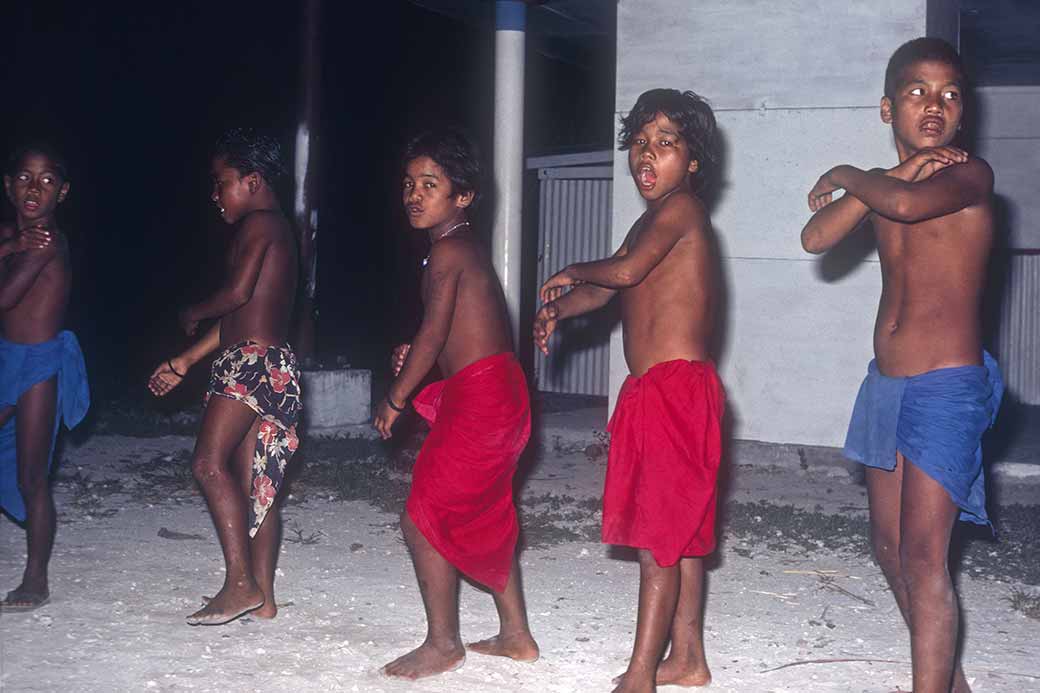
(933,126)
(414,210)
(646,177)
(31,205)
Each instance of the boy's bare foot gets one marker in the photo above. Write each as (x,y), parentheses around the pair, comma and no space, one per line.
(426,660)
(268,611)
(520,647)
(626,683)
(676,672)
(960,682)
(25,598)
(228,605)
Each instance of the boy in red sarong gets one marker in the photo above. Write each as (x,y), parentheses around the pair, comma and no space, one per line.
(666,428)
(460,515)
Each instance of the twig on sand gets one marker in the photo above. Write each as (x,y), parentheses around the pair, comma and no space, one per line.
(827,582)
(802,662)
(300,538)
(784,597)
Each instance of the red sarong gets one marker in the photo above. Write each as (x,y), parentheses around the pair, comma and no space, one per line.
(665,448)
(462,483)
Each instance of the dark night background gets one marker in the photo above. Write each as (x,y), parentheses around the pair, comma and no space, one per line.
(136,93)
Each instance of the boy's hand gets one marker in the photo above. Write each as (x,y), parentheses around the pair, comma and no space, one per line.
(926,162)
(822,193)
(554,285)
(398,357)
(385,418)
(544,325)
(33,238)
(189,325)
(164,379)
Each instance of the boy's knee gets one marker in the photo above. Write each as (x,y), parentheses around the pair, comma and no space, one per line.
(204,468)
(32,482)
(886,553)
(920,563)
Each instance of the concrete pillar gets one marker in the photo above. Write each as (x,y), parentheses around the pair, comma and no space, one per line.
(506,236)
(796,87)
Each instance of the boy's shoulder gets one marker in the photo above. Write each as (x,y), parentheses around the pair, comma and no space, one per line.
(455,252)
(684,210)
(263,222)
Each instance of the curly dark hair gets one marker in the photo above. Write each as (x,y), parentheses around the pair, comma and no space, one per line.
(690,112)
(453,152)
(915,51)
(250,151)
(61,164)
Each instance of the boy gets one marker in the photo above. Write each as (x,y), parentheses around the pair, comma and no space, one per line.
(248,432)
(665,445)
(931,391)
(460,515)
(42,376)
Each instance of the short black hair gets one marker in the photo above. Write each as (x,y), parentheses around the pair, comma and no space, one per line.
(452,151)
(249,150)
(61,164)
(919,50)
(686,109)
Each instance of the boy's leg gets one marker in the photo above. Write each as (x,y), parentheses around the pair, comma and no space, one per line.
(439,585)
(34,431)
(263,548)
(224,425)
(686,664)
(927,518)
(885,492)
(514,639)
(658,594)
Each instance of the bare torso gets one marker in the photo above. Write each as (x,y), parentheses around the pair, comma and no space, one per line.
(670,314)
(40,314)
(933,274)
(265,317)
(479,324)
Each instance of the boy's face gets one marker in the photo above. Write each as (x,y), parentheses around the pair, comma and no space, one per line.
(232,191)
(428,196)
(927,108)
(659,159)
(35,189)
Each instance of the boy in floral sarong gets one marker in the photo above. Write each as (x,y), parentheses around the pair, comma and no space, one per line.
(248,432)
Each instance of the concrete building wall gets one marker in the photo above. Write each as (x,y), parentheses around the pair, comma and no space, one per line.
(796,87)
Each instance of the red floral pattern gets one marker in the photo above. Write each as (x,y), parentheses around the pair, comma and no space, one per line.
(267,380)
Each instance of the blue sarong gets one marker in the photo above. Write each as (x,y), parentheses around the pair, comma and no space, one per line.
(936,419)
(21,367)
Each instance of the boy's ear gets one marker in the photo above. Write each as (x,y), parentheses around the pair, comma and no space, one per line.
(886,110)
(694,166)
(63,191)
(464,199)
(253,181)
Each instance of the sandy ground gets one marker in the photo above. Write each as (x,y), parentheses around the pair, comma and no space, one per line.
(795,603)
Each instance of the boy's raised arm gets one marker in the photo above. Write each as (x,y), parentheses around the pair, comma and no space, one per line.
(956,186)
(650,246)
(832,222)
(238,289)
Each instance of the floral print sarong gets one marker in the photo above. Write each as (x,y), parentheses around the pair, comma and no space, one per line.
(267,380)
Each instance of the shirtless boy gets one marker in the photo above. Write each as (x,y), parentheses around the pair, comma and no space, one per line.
(931,391)
(666,429)
(42,376)
(248,432)
(460,516)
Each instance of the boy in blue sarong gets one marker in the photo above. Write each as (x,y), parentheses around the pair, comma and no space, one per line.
(931,391)
(42,376)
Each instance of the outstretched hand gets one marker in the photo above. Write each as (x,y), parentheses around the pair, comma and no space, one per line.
(385,418)
(822,193)
(545,324)
(928,161)
(164,379)
(554,286)
(398,357)
(35,237)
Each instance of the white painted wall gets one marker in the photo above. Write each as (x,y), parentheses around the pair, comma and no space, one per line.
(1009,139)
(796,87)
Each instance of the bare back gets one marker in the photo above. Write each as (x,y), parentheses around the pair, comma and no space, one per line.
(39,311)
(265,316)
(479,322)
(670,314)
(933,275)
